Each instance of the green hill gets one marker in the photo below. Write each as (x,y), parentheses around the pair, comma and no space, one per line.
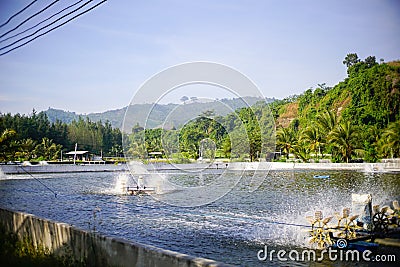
(137,112)
(370,95)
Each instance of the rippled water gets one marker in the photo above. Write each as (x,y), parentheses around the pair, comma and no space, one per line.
(232,229)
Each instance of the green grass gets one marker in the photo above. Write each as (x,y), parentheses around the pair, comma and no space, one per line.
(17,252)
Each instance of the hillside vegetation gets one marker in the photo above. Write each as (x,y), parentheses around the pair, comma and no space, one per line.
(357,118)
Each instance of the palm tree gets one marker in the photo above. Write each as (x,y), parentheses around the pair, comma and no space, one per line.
(25,149)
(391,137)
(47,149)
(327,121)
(6,135)
(302,150)
(345,138)
(313,137)
(286,139)
(6,148)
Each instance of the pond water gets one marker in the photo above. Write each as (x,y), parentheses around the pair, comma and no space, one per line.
(231,229)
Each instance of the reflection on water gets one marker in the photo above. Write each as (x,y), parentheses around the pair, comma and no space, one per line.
(231,229)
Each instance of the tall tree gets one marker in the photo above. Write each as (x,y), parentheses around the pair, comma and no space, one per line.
(345,138)
(351,59)
(327,121)
(286,139)
(370,61)
(313,137)
(26,149)
(184,99)
(7,150)
(391,137)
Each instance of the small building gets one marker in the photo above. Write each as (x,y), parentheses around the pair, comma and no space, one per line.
(155,154)
(81,155)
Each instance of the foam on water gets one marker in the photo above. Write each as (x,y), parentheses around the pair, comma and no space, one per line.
(120,185)
(138,176)
(2,175)
(157,180)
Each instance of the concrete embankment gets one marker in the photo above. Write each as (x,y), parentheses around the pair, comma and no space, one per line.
(283,166)
(90,248)
(61,168)
(367,167)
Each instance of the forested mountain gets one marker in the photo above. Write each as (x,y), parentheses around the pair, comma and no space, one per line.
(137,112)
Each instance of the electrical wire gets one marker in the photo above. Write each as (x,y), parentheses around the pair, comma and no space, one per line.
(289,224)
(29,18)
(56,27)
(52,16)
(16,14)
(44,27)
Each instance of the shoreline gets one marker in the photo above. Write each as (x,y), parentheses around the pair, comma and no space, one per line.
(61,168)
(235,166)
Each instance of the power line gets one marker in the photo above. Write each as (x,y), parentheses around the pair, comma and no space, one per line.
(29,18)
(56,27)
(16,14)
(44,27)
(52,16)
(48,188)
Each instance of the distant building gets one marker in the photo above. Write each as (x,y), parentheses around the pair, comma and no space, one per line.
(80,155)
(155,154)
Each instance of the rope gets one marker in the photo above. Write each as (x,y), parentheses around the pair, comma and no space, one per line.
(48,188)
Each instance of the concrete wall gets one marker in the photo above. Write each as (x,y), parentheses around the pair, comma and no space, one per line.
(94,249)
(367,167)
(61,168)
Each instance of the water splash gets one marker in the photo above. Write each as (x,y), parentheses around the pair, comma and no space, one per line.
(120,185)
(2,175)
(143,177)
(123,181)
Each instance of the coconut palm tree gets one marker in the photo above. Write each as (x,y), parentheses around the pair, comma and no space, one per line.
(391,137)
(345,138)
(47,149)
(6,135)
(327,121)
(286,139)
(302,150)
(6,148)
(26,149)
(313,137)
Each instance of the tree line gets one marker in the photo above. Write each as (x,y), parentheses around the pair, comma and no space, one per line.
(357,119)
(34,137)
(246,134)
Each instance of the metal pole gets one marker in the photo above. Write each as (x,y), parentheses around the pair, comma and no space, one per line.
(76,146)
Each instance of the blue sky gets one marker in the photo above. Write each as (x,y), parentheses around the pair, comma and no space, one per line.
(98,61)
